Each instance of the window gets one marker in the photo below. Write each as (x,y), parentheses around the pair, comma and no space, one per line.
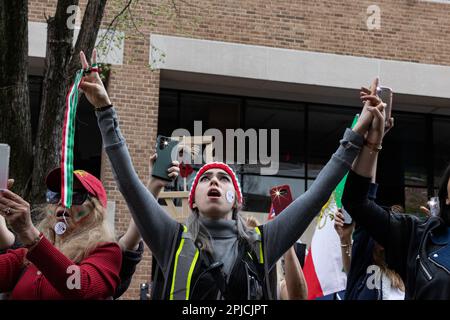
(309,134)
(403,162)
(325,129)
(441,148)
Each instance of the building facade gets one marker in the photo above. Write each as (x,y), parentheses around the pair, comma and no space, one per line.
(296,66)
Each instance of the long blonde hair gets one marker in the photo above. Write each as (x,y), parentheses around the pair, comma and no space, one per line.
(81,241)
(379,260)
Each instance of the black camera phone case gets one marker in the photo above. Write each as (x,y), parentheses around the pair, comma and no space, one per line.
(164,148)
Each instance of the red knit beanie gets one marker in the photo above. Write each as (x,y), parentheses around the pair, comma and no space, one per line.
(215,165)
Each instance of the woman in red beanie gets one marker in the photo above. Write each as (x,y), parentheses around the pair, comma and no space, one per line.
(214,255)
(71,254)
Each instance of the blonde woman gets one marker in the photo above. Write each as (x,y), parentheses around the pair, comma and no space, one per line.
(368,276)
(71,254)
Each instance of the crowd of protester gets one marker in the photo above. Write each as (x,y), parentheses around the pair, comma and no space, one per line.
(217,253)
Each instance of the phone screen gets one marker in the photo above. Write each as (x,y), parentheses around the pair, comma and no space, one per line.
(4,165)
(347,217)
(434,206)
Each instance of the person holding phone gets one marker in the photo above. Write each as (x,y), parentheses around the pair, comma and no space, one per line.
(214,255)
(290,273)
(363,256)
(71,254)
(417,249)
(131,242)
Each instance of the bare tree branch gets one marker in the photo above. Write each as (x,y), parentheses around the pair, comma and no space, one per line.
(113,24)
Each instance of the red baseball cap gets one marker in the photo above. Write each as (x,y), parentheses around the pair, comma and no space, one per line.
(88,182)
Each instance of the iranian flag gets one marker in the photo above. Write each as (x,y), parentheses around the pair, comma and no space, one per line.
(323,268)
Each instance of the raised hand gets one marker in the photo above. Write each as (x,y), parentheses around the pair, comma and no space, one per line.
(344,231)
(154,182)
(425,211)
(372,100)
(92,85)
(369,97)
(17,213)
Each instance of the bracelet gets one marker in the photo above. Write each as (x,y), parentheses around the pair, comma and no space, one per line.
(104,108)
(347,250)
(35,241)
(376,147)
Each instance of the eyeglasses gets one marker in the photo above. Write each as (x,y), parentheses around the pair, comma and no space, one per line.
(78,197)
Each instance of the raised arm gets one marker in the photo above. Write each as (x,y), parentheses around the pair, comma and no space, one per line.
(282,232)
(294,278)
(131,239)
(390,230)
(344,232)
(157,228)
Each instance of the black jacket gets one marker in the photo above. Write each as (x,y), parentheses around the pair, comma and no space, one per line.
(130,259)
(362,258)
(248,279)
(417,249)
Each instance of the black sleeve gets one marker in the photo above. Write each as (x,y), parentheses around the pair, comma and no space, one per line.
(130,260)
(392,231)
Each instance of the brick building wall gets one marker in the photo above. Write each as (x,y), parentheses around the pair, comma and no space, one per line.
(410,30)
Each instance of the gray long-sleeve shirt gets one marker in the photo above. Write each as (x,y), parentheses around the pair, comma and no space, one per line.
(159,230)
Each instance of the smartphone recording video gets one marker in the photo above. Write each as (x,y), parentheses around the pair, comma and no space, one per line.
(386,95)
(4,165)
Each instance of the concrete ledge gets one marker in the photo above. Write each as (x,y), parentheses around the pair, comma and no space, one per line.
(37,42)
(296,67)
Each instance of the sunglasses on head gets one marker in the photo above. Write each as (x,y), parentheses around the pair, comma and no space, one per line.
(78,197)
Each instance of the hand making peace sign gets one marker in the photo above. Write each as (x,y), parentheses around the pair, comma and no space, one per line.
(92,85)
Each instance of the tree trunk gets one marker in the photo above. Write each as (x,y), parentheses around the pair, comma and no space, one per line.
(61,62)
(15,114)
(54,86)
(90,26)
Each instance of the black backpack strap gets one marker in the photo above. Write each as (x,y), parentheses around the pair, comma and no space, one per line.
(215,269)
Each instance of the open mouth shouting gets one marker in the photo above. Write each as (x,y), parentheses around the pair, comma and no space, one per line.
(214,193)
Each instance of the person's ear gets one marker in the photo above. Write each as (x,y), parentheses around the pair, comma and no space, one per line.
(447,201)
(194,206)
